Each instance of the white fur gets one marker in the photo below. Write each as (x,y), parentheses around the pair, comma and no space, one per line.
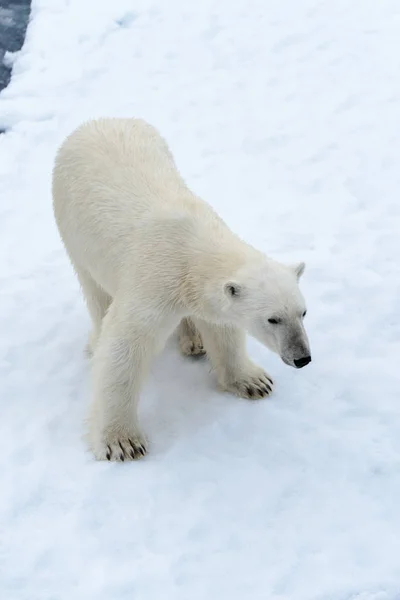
(150,256)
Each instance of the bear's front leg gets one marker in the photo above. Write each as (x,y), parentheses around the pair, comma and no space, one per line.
(128,341)
(236,373)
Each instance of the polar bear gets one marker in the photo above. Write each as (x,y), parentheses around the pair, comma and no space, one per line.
(151,257)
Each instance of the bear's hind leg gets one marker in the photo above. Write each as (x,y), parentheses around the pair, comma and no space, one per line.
(190,342)
(236,373)
(98,302)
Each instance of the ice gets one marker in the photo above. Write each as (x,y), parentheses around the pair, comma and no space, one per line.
(285,117)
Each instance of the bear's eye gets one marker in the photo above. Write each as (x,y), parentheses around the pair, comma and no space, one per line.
(232,290)
(274,321)
(304,314)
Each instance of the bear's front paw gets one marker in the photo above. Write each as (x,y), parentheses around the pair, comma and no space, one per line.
(253,385)
(119,446)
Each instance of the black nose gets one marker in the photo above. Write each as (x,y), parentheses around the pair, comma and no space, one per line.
(302,362)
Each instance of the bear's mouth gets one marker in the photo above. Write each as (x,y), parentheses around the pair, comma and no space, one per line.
(287,361)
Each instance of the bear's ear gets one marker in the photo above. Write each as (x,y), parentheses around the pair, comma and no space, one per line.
(232,289)
(299,269)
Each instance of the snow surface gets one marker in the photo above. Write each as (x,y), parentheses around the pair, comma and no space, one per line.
(285,116)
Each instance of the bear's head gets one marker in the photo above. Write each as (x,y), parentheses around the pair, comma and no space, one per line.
(265,299)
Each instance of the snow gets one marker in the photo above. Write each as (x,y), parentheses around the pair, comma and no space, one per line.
(285,117)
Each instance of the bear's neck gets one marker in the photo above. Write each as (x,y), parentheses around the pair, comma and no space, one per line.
(211,262)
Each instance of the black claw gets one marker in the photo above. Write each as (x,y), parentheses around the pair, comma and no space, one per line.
(250,392)
(122,448)
(135,449)
(108,455)
(121,457)
(270,380)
